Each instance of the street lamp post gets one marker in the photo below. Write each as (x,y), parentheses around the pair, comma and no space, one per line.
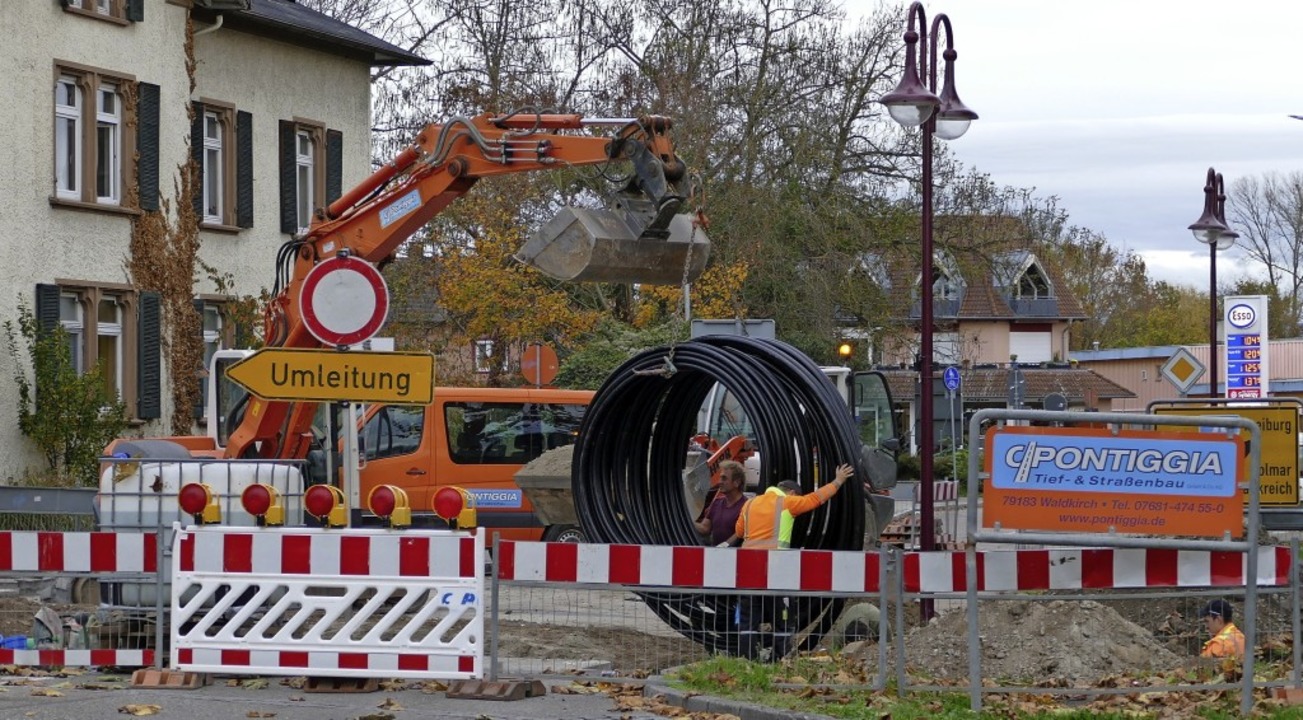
(913,104)
(1211,229)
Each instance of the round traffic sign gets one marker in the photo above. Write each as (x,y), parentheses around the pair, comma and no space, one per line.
(951,378)
(344,300)
(538,364)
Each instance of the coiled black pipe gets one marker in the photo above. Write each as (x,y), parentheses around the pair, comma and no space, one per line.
(627,471)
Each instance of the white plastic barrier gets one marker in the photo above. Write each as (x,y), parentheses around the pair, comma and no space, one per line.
(329,603)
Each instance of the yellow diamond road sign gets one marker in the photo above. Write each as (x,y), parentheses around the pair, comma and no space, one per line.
(332,375)
(1182,370)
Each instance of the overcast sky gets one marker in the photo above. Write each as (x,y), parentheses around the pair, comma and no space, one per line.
(1118,108)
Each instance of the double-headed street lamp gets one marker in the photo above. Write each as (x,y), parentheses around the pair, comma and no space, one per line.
(913,104)
(1211,229)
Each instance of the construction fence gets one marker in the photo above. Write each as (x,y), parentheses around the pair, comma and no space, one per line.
(386,603)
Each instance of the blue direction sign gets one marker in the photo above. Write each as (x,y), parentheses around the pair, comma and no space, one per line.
(951,378)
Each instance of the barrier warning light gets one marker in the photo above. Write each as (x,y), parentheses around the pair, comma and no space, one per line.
(326,503)
(455,506)
(390,503)
(263,502)
(198,501)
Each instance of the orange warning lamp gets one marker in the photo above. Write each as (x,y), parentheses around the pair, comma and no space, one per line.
(455,506)
(198,501)
(390,504)
(844,350)
(263,502)
(326,503)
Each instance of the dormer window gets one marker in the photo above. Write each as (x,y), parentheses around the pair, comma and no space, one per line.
(1033,285)
(945,287)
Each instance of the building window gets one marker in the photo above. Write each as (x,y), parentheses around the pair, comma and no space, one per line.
(487,358)
(311,171)
(305,176)
(93,141)
(1033,285)
(67,138)
(215,130)
(117,11)
(945,287)
(108,145)
(103,331)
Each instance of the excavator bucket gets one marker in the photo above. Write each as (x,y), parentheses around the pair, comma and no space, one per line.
(583,245)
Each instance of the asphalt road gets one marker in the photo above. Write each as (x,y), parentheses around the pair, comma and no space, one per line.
(218,701)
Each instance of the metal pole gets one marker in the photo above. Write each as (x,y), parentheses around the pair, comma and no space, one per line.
(1212,320)
(158,583)
(898,562)
(1251,570)
(883,633)
(1294,610)
(494,630)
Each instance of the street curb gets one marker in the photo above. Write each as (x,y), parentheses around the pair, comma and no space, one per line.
(709,703)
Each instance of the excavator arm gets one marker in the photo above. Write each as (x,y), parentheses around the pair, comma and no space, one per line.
(642,238)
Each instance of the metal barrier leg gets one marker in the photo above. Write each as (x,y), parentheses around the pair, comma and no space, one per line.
(494,628)
(880,682)
(1294,609)
(159,581)
(898,563)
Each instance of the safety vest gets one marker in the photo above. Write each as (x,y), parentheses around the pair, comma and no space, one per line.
(781,535)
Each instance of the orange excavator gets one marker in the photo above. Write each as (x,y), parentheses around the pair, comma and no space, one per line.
(646,235)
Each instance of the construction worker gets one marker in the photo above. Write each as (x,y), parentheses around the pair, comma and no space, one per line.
(1227,641)
(766,523)
(719,518)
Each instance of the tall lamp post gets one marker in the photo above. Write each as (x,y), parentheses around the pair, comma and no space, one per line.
(1211,229)
(913,104)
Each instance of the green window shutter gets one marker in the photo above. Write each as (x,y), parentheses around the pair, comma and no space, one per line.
(47,307)
(244,169)
(149,358)
(147,146)
(334,165)
(201,399)
(289,189)
(197,152)
(135,10)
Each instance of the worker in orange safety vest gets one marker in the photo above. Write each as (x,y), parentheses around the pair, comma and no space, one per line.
(1227,641)
(766,523)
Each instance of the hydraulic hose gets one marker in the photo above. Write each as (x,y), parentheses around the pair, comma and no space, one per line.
(627,471)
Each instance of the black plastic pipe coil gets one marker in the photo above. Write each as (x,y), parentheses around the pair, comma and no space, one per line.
(627,472)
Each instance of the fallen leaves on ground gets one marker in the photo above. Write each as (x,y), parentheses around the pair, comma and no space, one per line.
(140,710)
(433,686)
(390,704)
(393,685)
(46,692)
(257,714)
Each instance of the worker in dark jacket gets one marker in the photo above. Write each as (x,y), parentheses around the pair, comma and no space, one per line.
(766,523)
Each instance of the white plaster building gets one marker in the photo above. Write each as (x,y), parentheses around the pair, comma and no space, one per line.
(96,130)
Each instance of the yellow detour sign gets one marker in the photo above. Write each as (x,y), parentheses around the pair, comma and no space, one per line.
(334,375)
(1278,474)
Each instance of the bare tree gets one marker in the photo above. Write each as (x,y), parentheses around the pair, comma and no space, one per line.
(1267,212)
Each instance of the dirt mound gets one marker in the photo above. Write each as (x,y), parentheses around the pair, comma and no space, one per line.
(1029,642)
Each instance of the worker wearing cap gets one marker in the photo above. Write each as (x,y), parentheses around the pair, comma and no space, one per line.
(766,524)
(1227,640)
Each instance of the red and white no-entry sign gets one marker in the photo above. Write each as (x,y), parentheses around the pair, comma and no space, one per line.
(344,301)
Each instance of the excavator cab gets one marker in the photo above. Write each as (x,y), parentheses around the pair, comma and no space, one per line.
(642,237)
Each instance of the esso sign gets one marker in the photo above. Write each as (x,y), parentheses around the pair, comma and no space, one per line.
(1241,316)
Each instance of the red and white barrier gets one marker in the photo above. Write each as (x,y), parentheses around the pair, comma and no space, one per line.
(78,552)
(704,568)
(1092,569)
(329,553)
(78,658)
(335,603)
(724,569)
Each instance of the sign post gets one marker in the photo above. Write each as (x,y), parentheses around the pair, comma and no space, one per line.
(343,301)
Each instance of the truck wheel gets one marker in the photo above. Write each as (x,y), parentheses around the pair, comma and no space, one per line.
(565,534)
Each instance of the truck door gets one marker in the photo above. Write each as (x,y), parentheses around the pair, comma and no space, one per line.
(397,446)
